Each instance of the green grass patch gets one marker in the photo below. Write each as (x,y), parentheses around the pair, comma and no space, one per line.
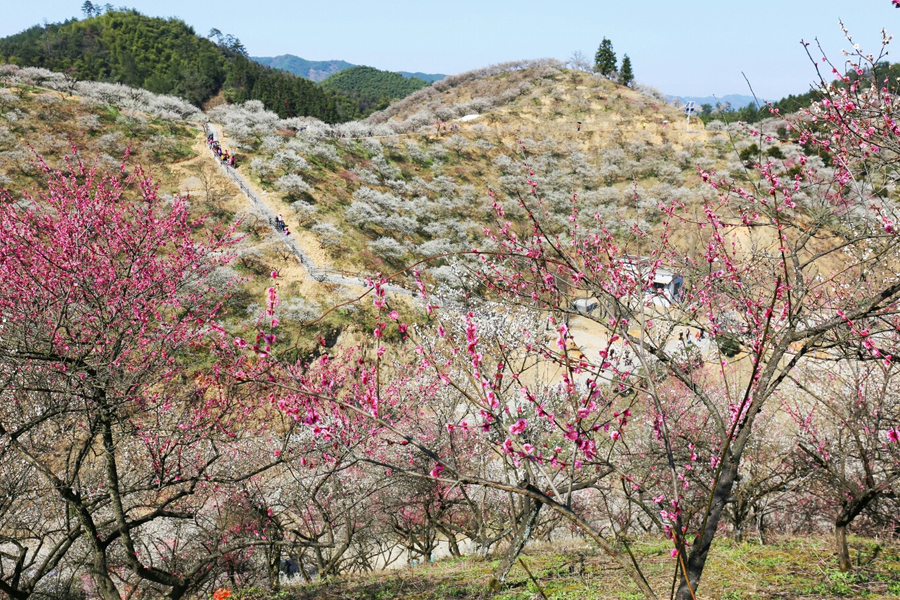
(790,568)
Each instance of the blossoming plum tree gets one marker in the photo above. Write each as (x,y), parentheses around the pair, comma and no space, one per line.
(127,446)
(847,417)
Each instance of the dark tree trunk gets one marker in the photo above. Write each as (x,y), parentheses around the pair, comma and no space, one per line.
(696,559)
(523,534)
(454,546)
(275,567)
(840,538)
(850,509)
(740,511)
(760,524)
(14,593)
(104,585)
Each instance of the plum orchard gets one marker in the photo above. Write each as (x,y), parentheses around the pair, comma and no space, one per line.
(145,452)
(786,270)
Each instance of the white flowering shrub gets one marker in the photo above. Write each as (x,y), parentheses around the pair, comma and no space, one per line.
(372,209)
(326,151)
(271,143)
(387,247)
(610,173)
(329,236)
(7,139)
(7,98)
(416,152)
(89,123)
(289,161)
(444,113)
(305,212)
(384,168)
(436,247)
(371,146)
(247,123)
(292,184)
(366,176)
(263,167)
(128,98)
(112,142)
(446,275)
(297,309)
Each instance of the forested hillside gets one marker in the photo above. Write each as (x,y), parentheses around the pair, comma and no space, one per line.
(429,77)
(166,56)
(372,88)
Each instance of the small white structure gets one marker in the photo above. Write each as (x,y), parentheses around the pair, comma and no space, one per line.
(666,286)
(585,305)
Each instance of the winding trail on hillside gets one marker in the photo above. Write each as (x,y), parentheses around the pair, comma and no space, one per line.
(316,272)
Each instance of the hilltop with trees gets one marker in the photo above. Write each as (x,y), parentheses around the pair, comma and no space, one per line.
(166,56)
(372,89)
(605,64)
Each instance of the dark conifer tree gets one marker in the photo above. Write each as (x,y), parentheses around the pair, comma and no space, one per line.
(626,75)
(605,58)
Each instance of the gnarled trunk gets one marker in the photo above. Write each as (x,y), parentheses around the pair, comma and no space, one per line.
(523,534)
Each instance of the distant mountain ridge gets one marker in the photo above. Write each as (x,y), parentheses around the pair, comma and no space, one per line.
(429,77)
(735,100)
(316,70)
(320,70)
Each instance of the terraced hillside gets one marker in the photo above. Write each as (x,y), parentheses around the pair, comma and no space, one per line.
(413,180)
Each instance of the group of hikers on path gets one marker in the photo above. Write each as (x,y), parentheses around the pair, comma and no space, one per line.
(224,155)
(227,158)
(443,127)
(281,226)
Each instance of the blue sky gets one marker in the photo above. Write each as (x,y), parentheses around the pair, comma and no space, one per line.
(694,47)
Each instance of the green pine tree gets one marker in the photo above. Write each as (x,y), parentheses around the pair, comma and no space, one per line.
(90,9)
(605,59)
(626,75)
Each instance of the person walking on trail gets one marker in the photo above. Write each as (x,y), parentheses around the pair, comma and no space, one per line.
(279,223)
